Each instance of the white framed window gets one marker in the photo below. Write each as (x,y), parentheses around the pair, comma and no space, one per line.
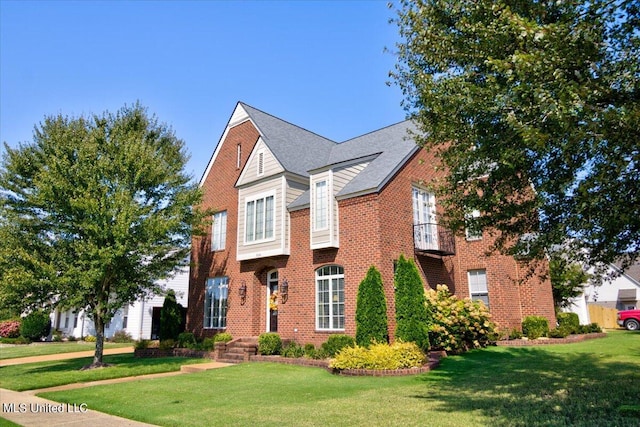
(472,231)
(215,303)
(239,156)
(424,219)
(478,286)
(219,231)
(125,317)
(260,163)
(330,298)
(321,221)
(259,219)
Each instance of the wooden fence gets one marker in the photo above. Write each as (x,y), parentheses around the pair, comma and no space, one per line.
(603,316)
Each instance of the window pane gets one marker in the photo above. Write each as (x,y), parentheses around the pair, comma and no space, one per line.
(322,212)
(215,304)
(250,222)
(259,219)
(219,237)
(330,297)
(268,223)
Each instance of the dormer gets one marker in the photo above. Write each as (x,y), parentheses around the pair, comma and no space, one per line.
(325,184)
(261,164)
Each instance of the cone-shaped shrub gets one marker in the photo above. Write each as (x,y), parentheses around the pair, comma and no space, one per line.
(412,317)
(371,310)
(170,317)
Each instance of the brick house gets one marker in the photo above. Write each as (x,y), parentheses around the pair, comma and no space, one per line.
(300,219)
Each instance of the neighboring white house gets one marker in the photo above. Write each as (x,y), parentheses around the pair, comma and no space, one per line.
(141,319)
(621,293)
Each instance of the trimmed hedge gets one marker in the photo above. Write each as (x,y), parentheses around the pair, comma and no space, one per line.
(569,321)
(399,355)
(337,342)
(269,343)
(534,327)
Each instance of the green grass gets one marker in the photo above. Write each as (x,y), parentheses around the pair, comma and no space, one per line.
(48,374)
(593,383)
(41,349)
(6,423)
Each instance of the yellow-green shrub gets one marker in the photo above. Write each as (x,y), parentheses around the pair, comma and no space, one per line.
(458,325)
(398,355)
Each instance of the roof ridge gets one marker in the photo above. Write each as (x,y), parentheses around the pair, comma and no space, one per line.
(244,104)
(374,131)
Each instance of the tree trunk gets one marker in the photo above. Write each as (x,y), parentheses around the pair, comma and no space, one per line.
(99,324)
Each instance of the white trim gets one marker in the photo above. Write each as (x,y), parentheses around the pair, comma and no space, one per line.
(478,292)
(223,244)
(238,116)
(329,277)
(317,200)
(268,299)
(253,198)
(262,254)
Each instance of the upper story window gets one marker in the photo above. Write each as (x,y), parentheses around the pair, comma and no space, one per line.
(321,206)
(330,298)
(478,289)
(259,219)
(424,219)
(472,231)
(239,157)
(260,163)
(215,302)
(219,231)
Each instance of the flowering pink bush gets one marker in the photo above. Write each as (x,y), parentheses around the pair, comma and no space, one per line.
(458,325)
(10,329)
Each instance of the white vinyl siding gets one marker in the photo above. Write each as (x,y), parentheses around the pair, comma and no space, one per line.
(478,289)
(330,298)
(263,219)
(219,231)
(260,165)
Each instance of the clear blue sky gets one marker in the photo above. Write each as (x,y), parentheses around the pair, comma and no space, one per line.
(320,65)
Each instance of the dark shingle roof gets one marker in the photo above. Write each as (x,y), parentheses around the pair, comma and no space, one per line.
(300,152)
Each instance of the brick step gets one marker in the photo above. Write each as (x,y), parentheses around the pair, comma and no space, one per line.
(234,361)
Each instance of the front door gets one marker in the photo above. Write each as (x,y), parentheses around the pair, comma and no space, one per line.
(272,301)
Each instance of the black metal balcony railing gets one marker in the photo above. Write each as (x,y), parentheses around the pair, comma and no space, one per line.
(433,239)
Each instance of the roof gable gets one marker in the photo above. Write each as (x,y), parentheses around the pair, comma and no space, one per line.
(261,164)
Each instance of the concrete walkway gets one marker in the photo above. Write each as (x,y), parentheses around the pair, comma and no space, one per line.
(27,409)
(63,356)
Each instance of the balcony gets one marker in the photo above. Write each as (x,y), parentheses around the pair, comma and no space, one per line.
(433,239)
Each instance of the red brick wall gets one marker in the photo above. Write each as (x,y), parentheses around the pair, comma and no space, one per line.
(220,194)
(375,229)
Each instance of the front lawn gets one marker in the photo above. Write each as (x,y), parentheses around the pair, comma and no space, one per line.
(590,383)
(40,349)
(49,374)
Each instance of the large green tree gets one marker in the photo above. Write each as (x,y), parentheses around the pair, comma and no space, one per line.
(533,108)
(94,211)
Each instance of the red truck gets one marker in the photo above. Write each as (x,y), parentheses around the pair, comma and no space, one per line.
(630,319)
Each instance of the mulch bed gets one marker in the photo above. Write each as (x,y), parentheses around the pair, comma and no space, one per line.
(546,341)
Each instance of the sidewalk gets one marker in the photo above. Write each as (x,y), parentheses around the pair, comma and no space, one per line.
(62,356)
(26,409)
